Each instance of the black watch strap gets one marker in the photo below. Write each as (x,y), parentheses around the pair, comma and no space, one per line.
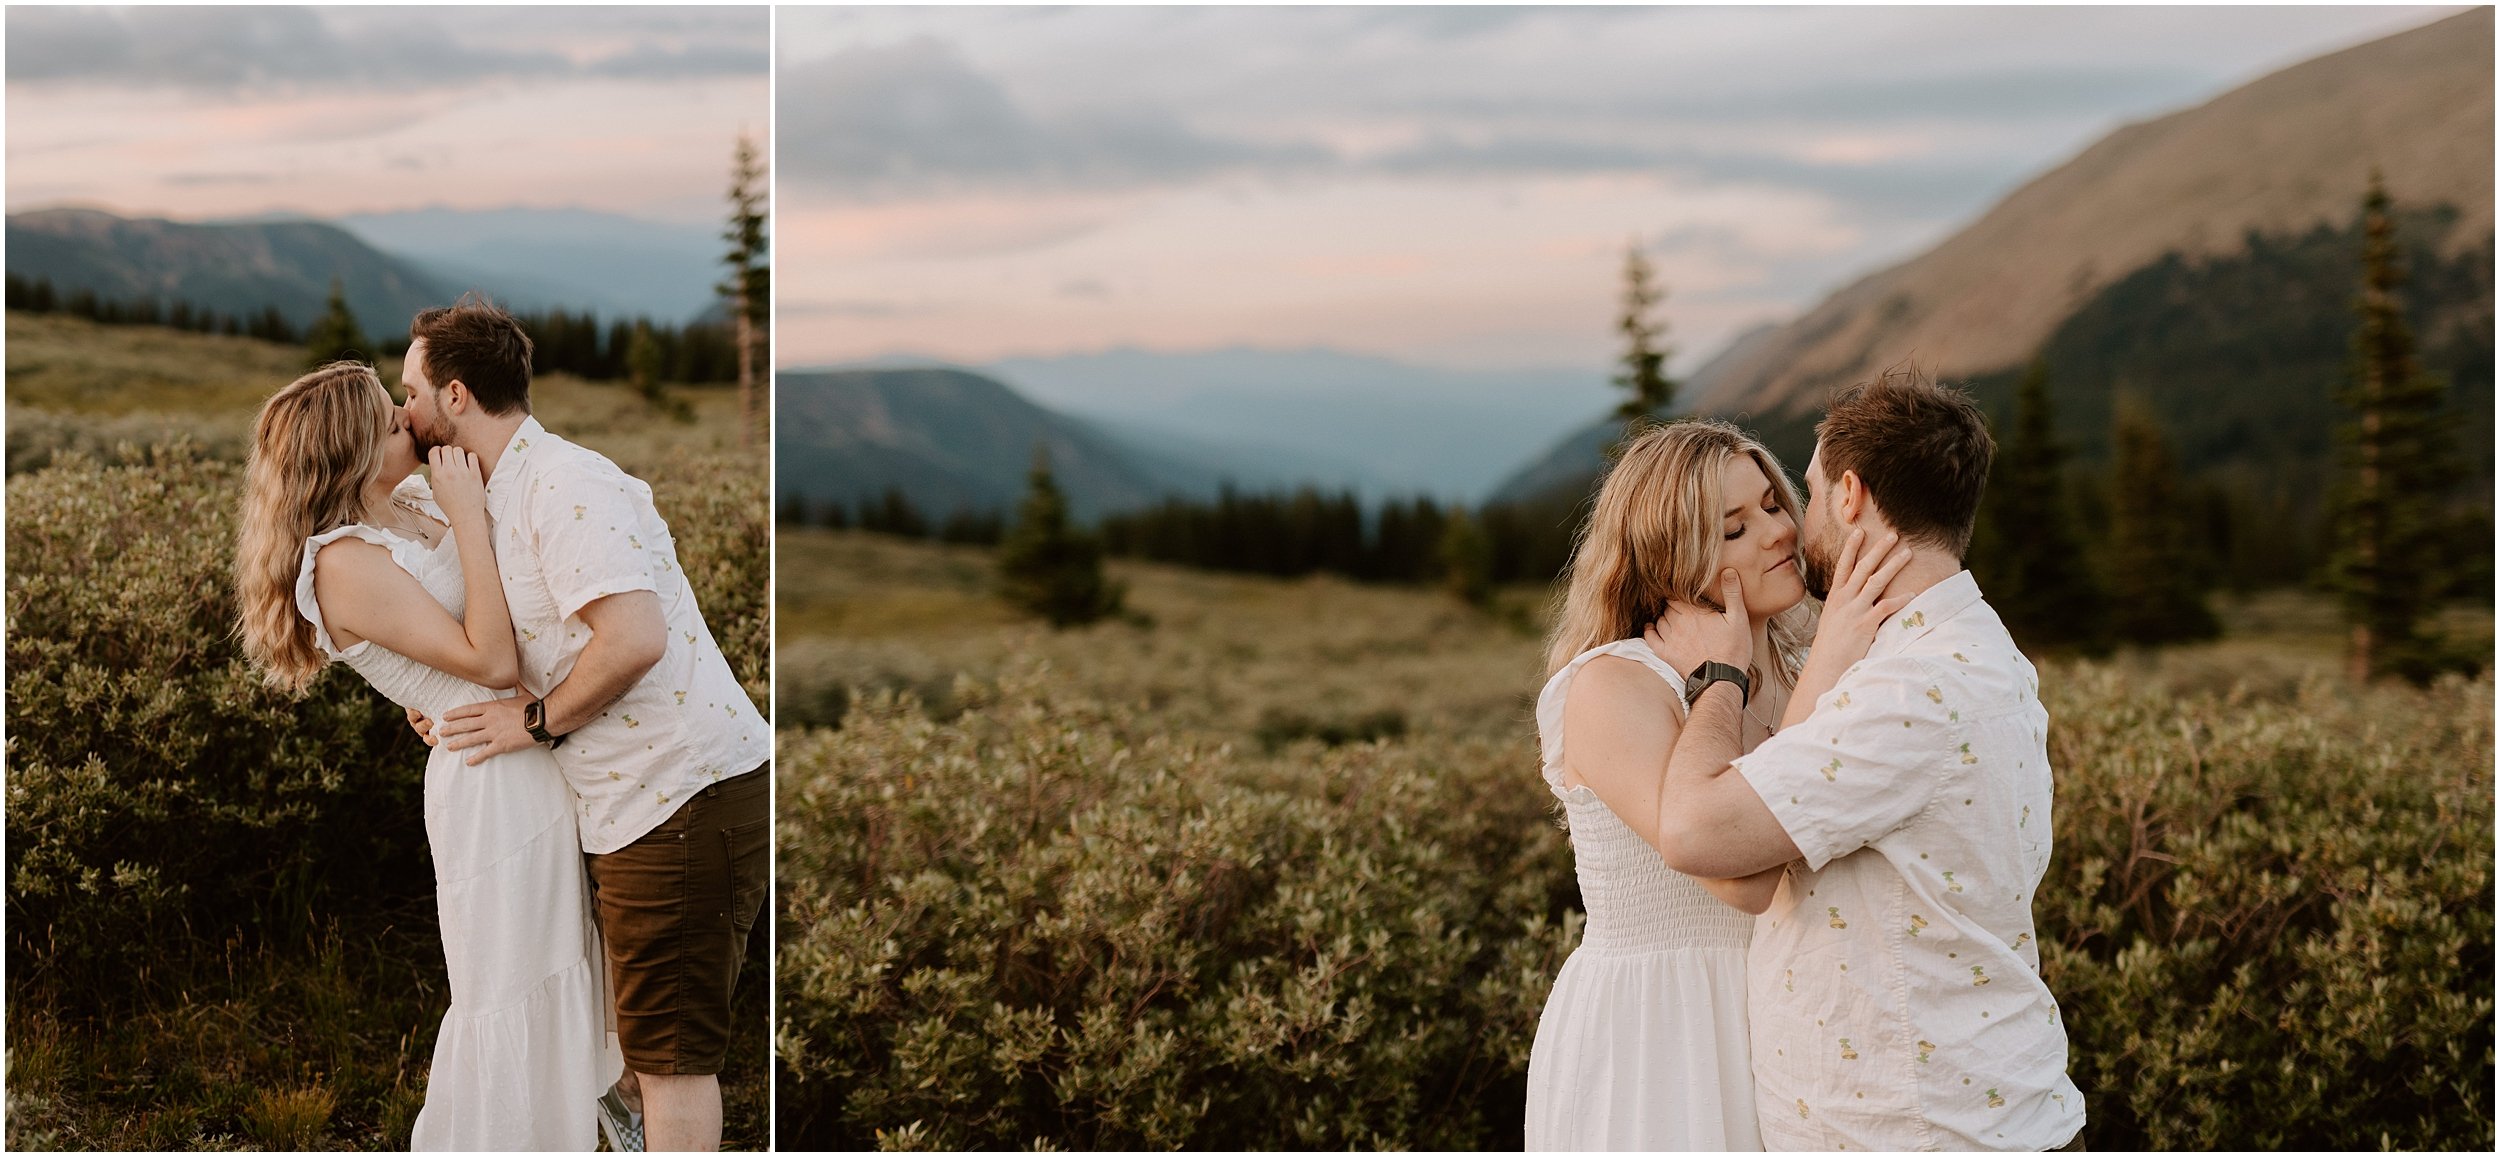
(1716,672)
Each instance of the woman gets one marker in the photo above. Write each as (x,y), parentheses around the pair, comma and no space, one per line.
(1643,1041)
(343,555)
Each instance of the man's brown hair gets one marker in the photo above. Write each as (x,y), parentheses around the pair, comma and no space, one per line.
(475,342)
(1922,449)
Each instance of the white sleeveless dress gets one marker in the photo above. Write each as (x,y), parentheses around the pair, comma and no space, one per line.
(525,1050)
(1643,1042)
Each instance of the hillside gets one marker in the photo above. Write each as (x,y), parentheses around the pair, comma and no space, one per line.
(952,440)
(231,268)
(2278,156)
(2171,259)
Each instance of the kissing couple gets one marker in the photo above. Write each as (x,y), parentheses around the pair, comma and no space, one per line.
(1808,871)
(596,798)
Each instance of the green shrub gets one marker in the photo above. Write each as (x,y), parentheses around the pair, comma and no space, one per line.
(159,797)
(1080,906)
(2270,922)
(1049,923)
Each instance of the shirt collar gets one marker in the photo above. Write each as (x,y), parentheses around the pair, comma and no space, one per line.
(1933,606)
(515,453)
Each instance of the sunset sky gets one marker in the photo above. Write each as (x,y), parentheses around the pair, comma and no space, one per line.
(1450,186)
(199,113)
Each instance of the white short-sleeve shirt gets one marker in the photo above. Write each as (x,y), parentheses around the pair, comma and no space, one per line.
(1894,988)
(570,529)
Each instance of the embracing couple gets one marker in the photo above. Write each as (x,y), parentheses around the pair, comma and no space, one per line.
(595,799)
(1808,871)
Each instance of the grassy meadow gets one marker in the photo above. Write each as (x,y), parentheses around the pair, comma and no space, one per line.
(221,926)
(1267,865)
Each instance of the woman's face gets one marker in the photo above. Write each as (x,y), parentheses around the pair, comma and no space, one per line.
(399,444)
(1759,540)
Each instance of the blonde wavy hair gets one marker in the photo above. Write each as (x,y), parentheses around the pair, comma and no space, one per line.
(1655,536)
(315,445)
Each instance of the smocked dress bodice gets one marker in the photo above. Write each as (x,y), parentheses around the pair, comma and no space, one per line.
(1635,902)
(400,679)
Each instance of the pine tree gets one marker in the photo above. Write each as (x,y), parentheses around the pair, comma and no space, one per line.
(1466,556)
(1643,375)
(646,361)
(2390,562)
(336,335)
(2155,591)
(1047,566)
(748,288)
(2028,554)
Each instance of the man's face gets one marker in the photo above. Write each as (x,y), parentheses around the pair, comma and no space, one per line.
(1820,536)
(426,420)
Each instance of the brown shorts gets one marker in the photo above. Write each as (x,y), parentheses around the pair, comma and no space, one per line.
(675,908)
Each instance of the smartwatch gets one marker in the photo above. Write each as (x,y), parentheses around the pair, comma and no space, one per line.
(1715,672)
(534,717)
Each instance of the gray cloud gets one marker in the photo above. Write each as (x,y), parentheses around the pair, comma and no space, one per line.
(917,102)
(916,118)
(306,49)
(656,63)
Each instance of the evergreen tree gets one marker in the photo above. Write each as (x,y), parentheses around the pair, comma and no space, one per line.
(1466,559)
(1643,376)
(336,335)
(2155,591)
(748,288)
(2390,562)
(646,361)
(2027,553)
(1047,566)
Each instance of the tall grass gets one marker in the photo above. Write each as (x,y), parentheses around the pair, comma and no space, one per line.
(1060,888)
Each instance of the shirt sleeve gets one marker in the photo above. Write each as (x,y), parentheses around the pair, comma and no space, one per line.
(1863,765)
(592,536)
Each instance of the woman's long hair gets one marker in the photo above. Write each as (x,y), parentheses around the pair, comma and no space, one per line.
(1655,537)
(315,445)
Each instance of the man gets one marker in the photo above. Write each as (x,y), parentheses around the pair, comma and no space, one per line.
(621,676)
(1894,991)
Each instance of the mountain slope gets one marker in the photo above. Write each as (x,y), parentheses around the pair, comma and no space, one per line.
(2279,155)
(232,268)
(950,440)
(2207,196)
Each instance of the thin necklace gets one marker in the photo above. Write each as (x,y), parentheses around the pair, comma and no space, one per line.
(423,525)
(1768,728)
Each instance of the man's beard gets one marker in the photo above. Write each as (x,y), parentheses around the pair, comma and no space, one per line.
(1814,565)
(425,437)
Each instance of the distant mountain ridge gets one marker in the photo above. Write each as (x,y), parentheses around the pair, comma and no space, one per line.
(237,268)
(951,440)
(2277,158)
(572,259)
(1391,428)
(392,264)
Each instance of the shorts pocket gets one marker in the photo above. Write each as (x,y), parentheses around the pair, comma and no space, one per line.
(749,848)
